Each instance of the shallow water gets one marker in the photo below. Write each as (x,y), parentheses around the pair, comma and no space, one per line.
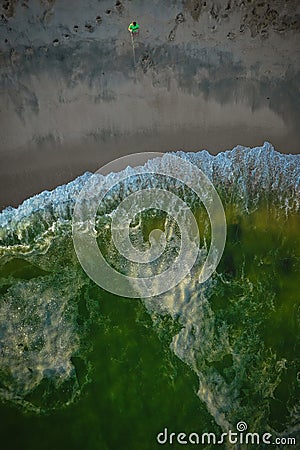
(116,371)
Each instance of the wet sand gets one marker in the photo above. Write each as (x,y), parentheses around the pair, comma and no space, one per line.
(202,81)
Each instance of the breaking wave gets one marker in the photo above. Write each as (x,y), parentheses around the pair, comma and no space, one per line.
(230,326)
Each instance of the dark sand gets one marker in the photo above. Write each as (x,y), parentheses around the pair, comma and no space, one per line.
(217,76)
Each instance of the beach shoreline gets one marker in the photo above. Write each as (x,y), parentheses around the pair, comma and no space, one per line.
(210,76)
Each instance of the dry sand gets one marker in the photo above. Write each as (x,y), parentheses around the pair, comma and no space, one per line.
(210,75)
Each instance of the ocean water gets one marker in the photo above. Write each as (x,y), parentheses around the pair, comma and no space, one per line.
(83,368)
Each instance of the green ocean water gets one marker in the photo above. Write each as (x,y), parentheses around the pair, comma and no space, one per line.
(137,387)
(82,368)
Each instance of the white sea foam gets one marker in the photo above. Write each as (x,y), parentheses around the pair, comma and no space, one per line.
(39,231)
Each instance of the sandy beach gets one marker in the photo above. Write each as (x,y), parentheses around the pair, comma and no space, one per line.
(208,75)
